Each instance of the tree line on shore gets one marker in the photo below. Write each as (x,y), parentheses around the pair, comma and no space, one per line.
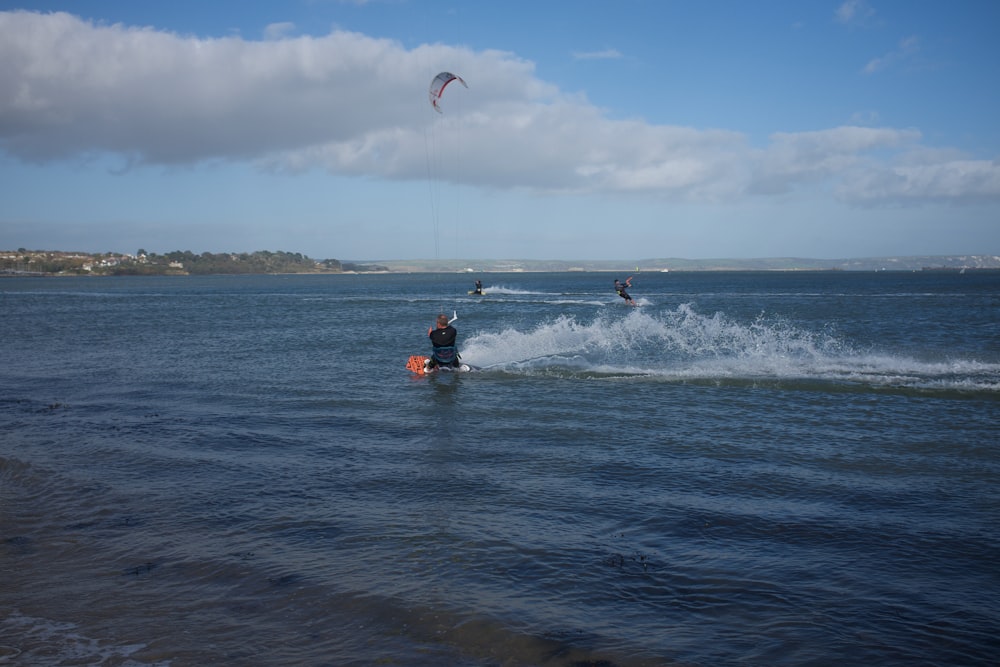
(179,262)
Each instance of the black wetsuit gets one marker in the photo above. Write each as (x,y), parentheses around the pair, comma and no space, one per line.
(445,353)
(620,288)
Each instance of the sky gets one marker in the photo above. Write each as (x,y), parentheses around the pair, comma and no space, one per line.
(591,129)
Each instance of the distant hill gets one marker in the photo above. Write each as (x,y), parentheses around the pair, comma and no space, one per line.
(23,262)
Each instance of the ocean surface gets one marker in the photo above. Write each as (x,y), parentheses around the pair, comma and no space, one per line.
(744,469)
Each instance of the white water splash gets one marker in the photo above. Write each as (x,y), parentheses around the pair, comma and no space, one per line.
(501,289)
(686,345)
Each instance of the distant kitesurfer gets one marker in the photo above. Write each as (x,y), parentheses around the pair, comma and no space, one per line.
(620,288)
(479,287)
(444,352)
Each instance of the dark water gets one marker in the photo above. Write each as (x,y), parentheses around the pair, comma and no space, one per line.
(746,469)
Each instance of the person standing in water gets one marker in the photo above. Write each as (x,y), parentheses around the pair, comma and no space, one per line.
(620,289)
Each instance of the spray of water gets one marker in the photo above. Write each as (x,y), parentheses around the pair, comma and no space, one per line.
(683,344)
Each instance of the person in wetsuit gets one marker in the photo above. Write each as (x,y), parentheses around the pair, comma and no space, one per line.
(444,352)
(620,288)
(479,287)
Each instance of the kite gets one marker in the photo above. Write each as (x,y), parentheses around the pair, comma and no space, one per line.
(438,85)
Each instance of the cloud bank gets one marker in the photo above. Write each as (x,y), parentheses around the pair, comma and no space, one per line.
(356,105)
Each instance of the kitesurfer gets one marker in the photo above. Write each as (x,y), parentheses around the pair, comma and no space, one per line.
(444,352)
(479,287)
(620,288)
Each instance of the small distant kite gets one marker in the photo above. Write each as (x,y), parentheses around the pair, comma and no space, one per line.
(438,85)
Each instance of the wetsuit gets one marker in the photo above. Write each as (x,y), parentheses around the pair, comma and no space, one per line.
(445,353)
(621,291)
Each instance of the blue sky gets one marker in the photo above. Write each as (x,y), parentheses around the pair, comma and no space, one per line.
(589,129)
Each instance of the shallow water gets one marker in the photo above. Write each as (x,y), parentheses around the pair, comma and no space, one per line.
(747,468)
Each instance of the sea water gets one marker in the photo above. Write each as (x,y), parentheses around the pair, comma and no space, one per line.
(743,469)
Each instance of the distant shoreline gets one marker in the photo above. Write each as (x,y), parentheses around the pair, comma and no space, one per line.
(956,270)
(38,263)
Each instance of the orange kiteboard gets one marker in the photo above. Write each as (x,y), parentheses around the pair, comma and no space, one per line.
(417,364)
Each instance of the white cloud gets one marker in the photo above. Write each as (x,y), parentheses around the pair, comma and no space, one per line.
(950,181)
(854,12)
(867,117)
(356,105)
(806,157)
(278,30)
(606,54)
(906,49)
